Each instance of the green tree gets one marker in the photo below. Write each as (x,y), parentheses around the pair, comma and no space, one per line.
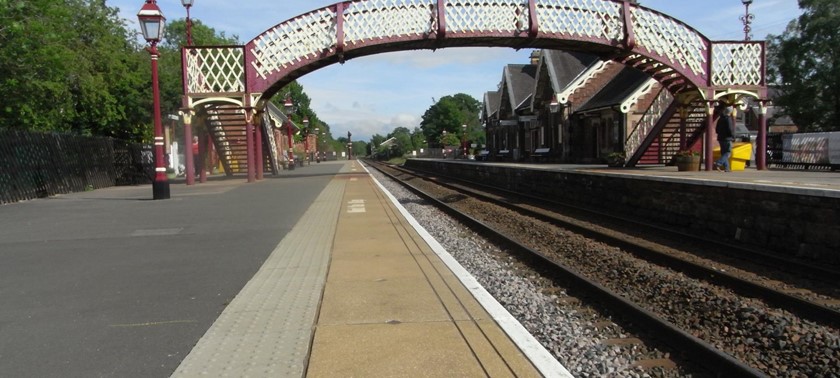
(70,66)
(449,114)
(303,109)
(805,62)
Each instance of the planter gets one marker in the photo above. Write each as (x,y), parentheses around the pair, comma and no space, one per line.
(687,163)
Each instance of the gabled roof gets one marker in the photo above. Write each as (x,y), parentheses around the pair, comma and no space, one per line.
(518,80)
(617,90)
(557,71)
(491,103)
(564,67)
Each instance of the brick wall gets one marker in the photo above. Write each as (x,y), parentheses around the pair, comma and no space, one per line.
(793,225)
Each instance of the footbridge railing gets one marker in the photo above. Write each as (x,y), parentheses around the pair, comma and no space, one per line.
(668,49)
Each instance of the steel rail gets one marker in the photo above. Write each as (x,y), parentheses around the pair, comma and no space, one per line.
(702,352)
(804,269)
(799,306)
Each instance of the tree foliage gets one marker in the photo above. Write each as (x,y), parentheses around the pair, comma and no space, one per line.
(805,61)
(449,114)
(70,66)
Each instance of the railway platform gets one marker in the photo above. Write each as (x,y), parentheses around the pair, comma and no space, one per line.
(355,290)
(806,182)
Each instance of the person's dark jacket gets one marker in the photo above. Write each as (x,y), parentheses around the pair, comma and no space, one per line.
(725,128)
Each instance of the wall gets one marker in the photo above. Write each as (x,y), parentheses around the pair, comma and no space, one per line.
(794,225)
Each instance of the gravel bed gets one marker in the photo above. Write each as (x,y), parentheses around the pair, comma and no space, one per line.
(574,334)
(771,340)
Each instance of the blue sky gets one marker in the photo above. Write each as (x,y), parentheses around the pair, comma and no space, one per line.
(375,94)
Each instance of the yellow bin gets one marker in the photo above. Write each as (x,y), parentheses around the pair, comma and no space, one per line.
(741,153)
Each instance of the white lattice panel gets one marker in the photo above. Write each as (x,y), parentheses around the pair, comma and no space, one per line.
(378,19)
(737,63)
(218,69)
(292,41)
(681,45)
(486,16)
(581,18)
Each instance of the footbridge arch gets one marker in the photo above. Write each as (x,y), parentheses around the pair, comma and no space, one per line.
(691,66)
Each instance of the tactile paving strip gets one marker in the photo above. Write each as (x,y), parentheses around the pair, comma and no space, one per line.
(266,330)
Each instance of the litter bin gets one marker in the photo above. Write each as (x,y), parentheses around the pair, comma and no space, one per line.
(741,153)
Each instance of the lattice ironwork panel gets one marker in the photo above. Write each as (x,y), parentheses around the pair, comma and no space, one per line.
(682,46)
(737,63)
(378,19)
(215,69)
(463,16)
(581,18)
(306,36)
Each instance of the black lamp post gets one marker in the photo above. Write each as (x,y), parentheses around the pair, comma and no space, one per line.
(747,19)
(152,23)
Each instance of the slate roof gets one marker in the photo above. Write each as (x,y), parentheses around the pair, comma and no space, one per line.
(617,90)
(564,67)
(491,103)
(519,80)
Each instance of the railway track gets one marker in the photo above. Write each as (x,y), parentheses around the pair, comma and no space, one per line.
(705,339)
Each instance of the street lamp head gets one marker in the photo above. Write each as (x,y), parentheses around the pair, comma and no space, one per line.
(554,106)
(288,105)
(746,2)
(187,3)
(306,121)
(151,21)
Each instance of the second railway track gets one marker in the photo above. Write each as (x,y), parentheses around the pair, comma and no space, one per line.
(714,320)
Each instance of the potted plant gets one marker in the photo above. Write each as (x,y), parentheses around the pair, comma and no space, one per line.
(616,159)
(170,173)
(687,160)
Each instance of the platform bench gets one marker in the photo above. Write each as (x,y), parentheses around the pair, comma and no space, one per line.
(540,154)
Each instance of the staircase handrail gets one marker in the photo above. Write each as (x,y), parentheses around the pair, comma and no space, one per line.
(648,121)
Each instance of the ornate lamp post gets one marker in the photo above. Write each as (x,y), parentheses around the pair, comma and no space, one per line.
(464,139)
(443,143)
(747,19)
(290,108)
(317,157)
(187,4)
(152,23)
(306,138)
(349,146)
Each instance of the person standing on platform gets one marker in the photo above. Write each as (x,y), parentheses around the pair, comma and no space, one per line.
(725,130)
(196,162)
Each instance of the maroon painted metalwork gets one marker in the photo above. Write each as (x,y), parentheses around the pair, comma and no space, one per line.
(249,141)
(188,151)
(533,20)
(441,19)
(629,34)
(708,142)
(339,32)
(761,138)
(259,161)
(289,106)
(152,22)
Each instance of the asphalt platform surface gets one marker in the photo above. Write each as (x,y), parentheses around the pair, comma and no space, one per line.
(111,283)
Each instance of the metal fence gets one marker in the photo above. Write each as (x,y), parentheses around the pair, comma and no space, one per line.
(37,165)
(810,151)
